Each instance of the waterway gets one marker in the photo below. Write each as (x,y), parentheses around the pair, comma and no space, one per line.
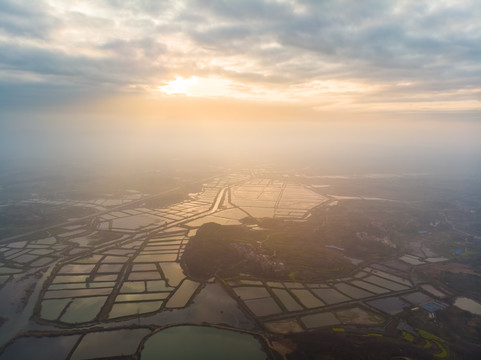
(18,320)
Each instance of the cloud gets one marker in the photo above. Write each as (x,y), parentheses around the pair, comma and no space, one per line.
(262,48)
(60,67)
(354,34)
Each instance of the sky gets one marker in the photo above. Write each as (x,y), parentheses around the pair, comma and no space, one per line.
(77,67)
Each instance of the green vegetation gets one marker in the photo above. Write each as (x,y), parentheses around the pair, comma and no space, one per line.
(460,329)
(286,252)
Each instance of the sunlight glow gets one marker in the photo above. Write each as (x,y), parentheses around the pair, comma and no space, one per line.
(178,86)
(212,87)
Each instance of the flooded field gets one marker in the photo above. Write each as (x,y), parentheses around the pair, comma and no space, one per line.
(120,309)
(51,309)
(330,296)
(135,222)
(352,291)
(389,276)
(417,298)
(433,291)
(114,343)
(83,309)
(183,294)
(468,304)
(307,298)
(268,198)
(381,282)
(251,292)
(319,320)
(263,306)
(391,305)
(122,270)
(41,348)
(369,287)
(289,303)
(272,298)
(199,342)
(412,260)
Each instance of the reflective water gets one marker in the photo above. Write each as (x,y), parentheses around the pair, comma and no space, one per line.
(111,344)
(200,342)
(173,273)
(183,294)
(83,309)
(319,320)
(43,348)
(469,305)
(134,308)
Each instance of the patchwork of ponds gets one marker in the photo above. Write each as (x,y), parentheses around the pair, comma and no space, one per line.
(319,320)
(307,299)
(412,260)
(390,305)
(126,271)
(388,276)
(251,292)
(35,253)
(83,309)
(271,198)
(418,298)
(110,344)
(330,296)
(287,301)
(433,291)
(263,306)
(40,348)
(184,293)
(275,298)
(84,285)
(352,291)
(381,282)
(369,287)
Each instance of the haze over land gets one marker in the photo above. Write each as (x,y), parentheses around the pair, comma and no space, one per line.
(340,82)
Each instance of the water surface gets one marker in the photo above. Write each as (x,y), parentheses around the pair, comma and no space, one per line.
(201,342)
(469,305)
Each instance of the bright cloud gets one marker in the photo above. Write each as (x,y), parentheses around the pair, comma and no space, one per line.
(359,54)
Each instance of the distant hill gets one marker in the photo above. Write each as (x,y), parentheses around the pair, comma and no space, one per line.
(283,251)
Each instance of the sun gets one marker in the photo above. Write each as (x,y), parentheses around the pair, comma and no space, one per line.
(178,86)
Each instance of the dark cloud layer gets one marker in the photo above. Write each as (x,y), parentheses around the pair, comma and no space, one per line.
(364,37)
(26,19)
